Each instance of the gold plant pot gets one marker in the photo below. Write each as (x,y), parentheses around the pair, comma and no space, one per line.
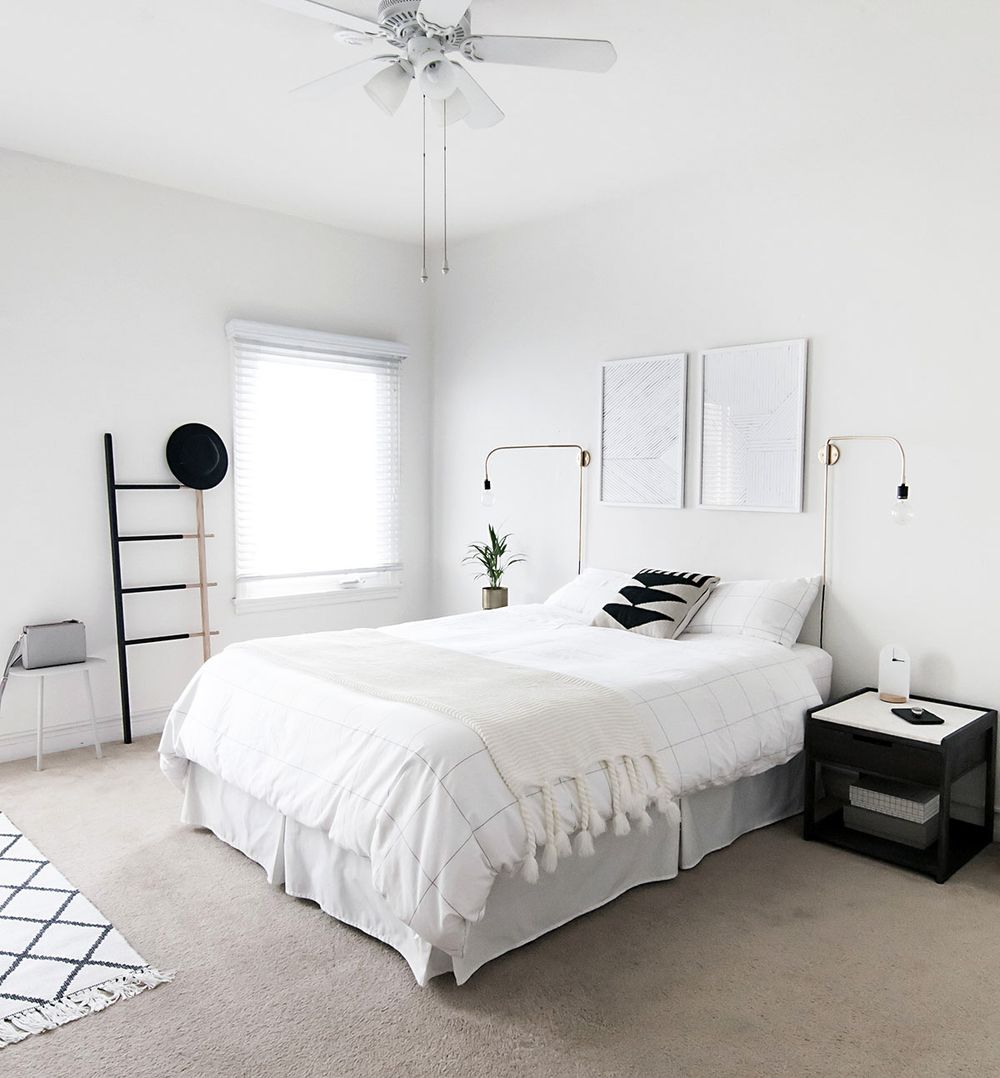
(494,598)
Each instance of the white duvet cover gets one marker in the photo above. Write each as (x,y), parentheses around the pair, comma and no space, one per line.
(416,792)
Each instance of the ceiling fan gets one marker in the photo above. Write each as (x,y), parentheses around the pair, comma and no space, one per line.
(429,37)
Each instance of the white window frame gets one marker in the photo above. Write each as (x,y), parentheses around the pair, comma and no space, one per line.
(291,338)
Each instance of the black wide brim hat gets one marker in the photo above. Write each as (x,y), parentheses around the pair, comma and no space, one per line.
(197,456)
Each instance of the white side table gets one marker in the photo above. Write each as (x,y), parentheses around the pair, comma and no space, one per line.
(40,673)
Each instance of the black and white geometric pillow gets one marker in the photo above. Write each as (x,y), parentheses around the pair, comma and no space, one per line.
(657,603)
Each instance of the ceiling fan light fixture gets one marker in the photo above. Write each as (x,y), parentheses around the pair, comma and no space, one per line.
(424,35)
(388,88)
(437,78)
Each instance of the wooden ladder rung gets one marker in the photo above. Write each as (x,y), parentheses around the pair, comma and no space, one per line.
(148,486)
(171,636)
(160,538)
(166,587)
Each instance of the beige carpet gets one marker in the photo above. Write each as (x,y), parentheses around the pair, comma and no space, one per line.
(774,957)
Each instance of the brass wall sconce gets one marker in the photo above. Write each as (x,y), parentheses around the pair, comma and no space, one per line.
(583,460)
(899,511)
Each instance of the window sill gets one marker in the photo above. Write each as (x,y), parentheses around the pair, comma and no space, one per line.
(266,603)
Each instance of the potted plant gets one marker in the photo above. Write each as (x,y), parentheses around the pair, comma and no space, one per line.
(493,559)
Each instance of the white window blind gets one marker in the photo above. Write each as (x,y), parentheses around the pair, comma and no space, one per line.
(316,463)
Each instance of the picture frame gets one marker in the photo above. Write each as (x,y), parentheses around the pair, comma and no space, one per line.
(752,434)
(643,431)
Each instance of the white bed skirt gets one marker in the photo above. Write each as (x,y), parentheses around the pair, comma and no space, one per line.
(716,817)
(308,865)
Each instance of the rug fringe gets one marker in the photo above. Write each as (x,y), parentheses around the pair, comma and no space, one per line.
(48,1016)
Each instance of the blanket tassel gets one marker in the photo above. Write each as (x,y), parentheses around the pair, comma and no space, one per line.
(640,795)
(619,821)
(662,791)
(584,844)
(630,798)
(529,869)
(584,841)
(556,840)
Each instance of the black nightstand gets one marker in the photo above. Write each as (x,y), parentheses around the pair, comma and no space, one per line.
(859,734)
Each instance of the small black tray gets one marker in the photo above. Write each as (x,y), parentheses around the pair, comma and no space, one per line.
(927,718)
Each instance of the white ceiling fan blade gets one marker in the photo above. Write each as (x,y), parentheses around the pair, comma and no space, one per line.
(318,9)
(483,110)
(457,109)
(443,13)
(567,53)
(355,75)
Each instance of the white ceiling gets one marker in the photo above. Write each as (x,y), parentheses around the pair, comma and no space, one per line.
(193,94)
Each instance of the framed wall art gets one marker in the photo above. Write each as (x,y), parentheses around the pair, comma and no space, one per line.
(753,415)
(643,409)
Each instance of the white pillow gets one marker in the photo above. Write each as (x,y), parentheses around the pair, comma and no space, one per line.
(765,609)
(590,592)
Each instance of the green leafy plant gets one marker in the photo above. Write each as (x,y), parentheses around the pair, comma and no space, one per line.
(492,557)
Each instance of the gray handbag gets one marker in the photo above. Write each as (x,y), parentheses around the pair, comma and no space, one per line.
(56,643)
(53,644)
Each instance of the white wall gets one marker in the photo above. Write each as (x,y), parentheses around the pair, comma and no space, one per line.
(113,295)
(884,256)
(113,298)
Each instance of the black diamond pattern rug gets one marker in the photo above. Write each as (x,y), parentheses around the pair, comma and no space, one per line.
(60,959)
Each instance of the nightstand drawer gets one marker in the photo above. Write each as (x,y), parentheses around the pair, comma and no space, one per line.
(875,752)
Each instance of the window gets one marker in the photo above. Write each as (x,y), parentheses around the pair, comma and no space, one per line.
(316,463)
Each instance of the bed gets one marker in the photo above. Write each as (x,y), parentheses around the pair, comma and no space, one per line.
(394,819)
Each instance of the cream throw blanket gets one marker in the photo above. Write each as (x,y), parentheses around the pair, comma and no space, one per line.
(539,727)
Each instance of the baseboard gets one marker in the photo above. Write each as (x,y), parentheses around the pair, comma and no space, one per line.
(20,745)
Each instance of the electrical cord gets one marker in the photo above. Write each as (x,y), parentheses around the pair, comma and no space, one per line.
(15,651)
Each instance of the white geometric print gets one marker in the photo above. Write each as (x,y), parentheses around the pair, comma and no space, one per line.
(642,431)
(753,427)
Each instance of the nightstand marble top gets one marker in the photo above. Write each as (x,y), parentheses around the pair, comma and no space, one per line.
(868,712)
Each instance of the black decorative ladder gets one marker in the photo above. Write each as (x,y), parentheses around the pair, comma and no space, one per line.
(200,535)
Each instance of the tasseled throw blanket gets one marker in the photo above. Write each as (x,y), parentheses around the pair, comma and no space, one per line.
(539,727)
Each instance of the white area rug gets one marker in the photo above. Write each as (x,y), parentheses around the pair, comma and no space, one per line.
(60,959)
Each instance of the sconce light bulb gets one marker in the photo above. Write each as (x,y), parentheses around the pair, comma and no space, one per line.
(901,511)
(488,499)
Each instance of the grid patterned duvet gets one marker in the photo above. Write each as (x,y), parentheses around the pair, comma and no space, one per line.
(417,793)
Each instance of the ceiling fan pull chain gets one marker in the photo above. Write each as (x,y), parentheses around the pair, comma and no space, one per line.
(423,272)
(444,265)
